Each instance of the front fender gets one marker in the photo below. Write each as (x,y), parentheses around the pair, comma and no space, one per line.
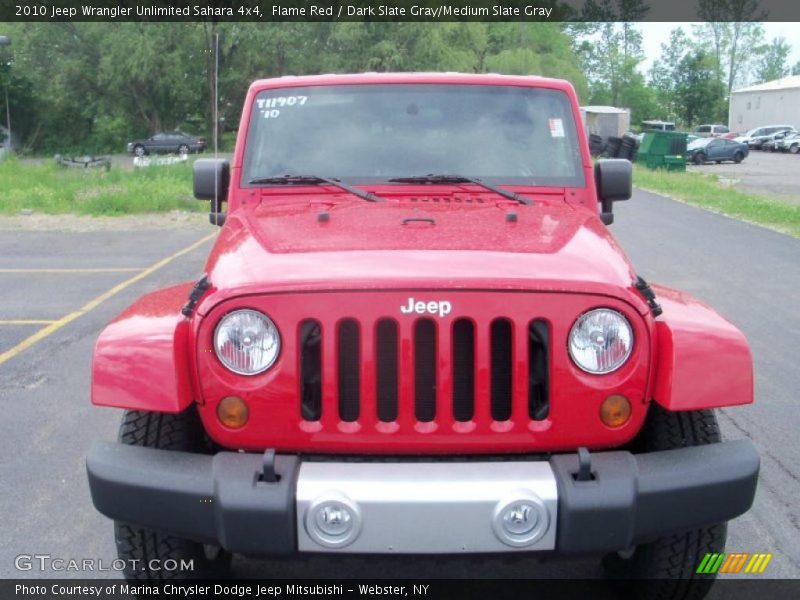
(141,359)
(703,361)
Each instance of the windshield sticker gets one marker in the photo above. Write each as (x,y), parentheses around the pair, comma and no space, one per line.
(269,107)
(556,128)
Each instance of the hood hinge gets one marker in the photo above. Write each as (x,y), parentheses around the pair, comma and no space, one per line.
(200,288)
(646,291)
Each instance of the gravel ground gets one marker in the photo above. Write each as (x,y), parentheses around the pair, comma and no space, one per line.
(175,219)
(122,161)
(768,173)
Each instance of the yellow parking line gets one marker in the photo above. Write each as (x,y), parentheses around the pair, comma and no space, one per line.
(87,270)
(25,322)
(94,303)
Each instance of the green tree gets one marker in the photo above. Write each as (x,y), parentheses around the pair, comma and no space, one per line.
(60,61)
(665,73)
(610,49)
(534,49)
(773,62)
(98,84)
(20,100)
(733,32)
(699,93)
(151,73)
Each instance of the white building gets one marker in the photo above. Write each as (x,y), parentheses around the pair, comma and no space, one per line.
(771,103)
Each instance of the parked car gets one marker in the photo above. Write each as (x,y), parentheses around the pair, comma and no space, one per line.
(167,142)
(756,137)
(770,143)
(716,150)
(789,143)
(705,131)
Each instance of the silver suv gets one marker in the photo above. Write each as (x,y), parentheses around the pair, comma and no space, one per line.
(755,138)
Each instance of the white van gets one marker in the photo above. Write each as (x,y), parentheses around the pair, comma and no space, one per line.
(710,130)
(658,126)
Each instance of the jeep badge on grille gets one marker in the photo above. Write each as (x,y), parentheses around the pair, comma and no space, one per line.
(434,307)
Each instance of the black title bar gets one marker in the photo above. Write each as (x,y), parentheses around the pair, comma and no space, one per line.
(393,10)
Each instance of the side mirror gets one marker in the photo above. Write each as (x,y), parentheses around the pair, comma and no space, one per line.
(614,180)
(211,180)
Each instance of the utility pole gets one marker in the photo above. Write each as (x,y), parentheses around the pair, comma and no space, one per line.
(6,41)
(216,95)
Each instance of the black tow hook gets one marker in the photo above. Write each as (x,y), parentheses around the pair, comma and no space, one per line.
(584,465)
(268,473)
(200,288)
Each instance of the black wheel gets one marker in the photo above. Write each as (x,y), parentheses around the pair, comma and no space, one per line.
(699,158)
(139,150)
(665,569)
(183,149)
(149,554)
(738,157)
(794,149)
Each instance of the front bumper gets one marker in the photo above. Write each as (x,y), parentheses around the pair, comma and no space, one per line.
(422,507)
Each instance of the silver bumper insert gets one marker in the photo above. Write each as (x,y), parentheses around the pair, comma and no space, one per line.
(426,507)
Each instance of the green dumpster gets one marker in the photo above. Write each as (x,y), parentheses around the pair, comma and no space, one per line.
(663,150)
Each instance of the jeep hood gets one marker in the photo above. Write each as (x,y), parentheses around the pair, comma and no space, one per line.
(417,245)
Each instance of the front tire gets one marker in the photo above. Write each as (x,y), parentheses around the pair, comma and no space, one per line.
(699,158)
(666,569)
(139,150)
(147,553)
(183,149)
(738,157)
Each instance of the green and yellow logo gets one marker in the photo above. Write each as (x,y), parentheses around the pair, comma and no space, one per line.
(735,562)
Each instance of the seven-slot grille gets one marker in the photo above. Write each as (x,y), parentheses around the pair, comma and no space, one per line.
(477,351)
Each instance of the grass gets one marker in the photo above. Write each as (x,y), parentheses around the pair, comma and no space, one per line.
(706,191)
(48,188)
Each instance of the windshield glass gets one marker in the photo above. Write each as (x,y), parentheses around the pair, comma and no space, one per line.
(699,143)
(370,133)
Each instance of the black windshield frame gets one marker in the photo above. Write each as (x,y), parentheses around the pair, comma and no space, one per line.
(559,117)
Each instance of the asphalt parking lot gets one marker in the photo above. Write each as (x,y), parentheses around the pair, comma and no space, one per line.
(772,174)
(58,289)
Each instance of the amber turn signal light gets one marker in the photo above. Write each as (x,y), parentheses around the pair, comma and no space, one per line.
(615,410)
(232,412)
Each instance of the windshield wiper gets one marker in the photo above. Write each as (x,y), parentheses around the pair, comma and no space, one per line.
(314,180)
(462,179)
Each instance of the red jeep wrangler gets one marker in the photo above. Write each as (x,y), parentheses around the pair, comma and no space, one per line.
(416,335)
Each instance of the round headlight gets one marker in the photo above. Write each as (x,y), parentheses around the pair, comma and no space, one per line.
(247,342)
(600,341)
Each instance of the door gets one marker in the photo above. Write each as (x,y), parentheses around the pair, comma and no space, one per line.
(715,150)
(159,142)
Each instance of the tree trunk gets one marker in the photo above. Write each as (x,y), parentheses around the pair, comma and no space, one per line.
(211,77)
